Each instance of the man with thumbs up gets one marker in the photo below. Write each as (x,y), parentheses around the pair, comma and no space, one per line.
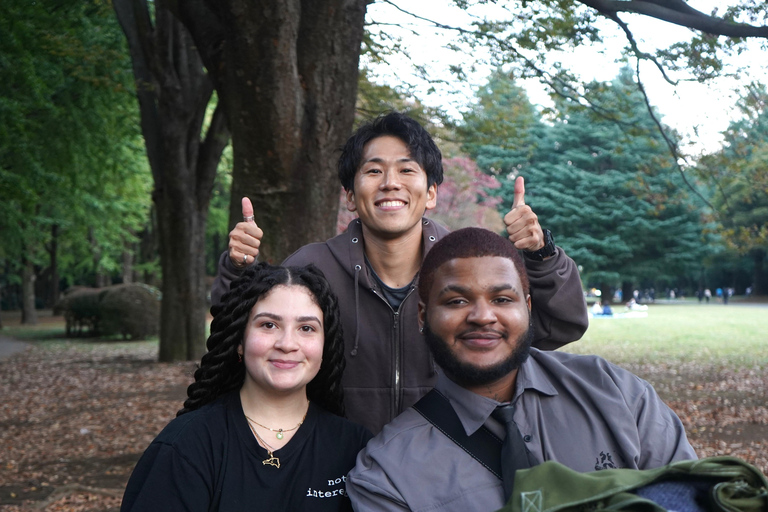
(390,169)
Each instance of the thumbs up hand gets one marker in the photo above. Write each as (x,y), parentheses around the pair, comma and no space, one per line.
(245,238)
(522,224)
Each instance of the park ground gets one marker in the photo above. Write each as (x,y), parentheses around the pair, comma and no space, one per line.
(76,415)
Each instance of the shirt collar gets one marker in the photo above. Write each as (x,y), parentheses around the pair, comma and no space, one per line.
(533,376)
(473,410)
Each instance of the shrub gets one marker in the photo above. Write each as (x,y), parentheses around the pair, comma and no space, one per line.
(132,310)
(80,306)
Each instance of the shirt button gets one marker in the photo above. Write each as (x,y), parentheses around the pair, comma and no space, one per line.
(527,438)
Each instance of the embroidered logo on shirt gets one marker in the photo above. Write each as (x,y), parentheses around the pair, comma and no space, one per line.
(531,501)
(604,461)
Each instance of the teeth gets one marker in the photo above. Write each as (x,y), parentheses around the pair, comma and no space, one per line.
(387,204)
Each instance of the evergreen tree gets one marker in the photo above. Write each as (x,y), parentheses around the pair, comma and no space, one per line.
(606,187)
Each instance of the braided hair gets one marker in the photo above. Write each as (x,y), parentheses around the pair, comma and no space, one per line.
(220,371)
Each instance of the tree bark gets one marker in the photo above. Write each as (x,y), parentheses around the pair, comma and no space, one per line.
(680,13)
(286,71)
(174,92)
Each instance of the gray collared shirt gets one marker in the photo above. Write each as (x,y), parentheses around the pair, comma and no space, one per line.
(581,411)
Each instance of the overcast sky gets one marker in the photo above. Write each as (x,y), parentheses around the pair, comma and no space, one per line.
(698,111)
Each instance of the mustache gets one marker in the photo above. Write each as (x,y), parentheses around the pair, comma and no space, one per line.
(484,331)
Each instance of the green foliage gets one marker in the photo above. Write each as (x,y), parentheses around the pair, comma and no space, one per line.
(738,175)
(71,154)
(604,184)
(502,117)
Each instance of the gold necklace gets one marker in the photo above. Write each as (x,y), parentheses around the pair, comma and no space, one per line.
(271,460)
(280,431)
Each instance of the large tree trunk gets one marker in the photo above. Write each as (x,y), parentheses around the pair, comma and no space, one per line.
(173,92)
(286,71)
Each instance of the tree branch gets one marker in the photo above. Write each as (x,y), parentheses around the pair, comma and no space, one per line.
(678,12)
(202,19)
(639,54)
(672,145)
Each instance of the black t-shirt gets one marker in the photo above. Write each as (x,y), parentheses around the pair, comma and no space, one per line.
(208,459)
(394,296)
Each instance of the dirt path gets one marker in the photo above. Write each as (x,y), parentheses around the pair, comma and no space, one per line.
(10,346)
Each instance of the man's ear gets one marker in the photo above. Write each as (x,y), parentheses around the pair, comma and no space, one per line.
(351,205)
(422,315)
(432,196)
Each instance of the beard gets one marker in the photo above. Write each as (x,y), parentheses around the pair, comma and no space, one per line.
(469,375)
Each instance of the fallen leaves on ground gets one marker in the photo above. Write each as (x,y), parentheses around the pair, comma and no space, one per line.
(76,417)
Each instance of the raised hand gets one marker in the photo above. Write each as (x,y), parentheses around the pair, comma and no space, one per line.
(245,238)
(522,224)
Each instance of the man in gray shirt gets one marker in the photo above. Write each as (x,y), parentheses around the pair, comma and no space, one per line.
(581,411)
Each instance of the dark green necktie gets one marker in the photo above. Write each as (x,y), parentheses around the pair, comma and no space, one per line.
(514,455)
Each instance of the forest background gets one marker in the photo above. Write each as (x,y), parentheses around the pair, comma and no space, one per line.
(97,188)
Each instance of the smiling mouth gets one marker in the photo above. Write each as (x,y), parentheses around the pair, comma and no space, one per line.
(390,204)
(481,338)
(284,365)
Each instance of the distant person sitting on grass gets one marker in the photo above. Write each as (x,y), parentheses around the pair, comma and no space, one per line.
(262,428)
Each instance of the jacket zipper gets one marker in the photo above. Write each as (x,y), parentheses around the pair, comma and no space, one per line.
(397,340)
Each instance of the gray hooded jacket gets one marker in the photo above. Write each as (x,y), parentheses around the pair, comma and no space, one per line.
(389,366)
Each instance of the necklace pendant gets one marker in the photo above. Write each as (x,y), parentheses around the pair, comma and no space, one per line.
(271,461)
(279,434)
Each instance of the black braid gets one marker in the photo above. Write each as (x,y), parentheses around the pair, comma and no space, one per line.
(325,389)
(220,372)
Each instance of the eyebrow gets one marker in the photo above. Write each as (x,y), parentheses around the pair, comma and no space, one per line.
(463,290)
(266,314)
(379,160)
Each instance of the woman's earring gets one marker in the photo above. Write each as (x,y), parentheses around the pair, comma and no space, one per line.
(421,330)
(239,357)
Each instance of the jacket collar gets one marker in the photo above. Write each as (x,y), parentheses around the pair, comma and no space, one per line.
(349,248)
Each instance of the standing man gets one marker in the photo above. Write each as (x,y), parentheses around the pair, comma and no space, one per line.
(581,411)
(390,169)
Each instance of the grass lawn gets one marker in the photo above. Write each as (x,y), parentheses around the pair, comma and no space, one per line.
(711,334)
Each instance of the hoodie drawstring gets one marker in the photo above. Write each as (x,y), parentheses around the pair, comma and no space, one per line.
(357,311)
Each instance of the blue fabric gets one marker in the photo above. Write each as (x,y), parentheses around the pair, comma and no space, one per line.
(677,496)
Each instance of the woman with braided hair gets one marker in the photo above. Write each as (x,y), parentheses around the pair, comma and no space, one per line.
(261,428)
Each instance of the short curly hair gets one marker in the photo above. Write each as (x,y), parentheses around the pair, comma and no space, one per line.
(469,243)
(220,372)
(420,144)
